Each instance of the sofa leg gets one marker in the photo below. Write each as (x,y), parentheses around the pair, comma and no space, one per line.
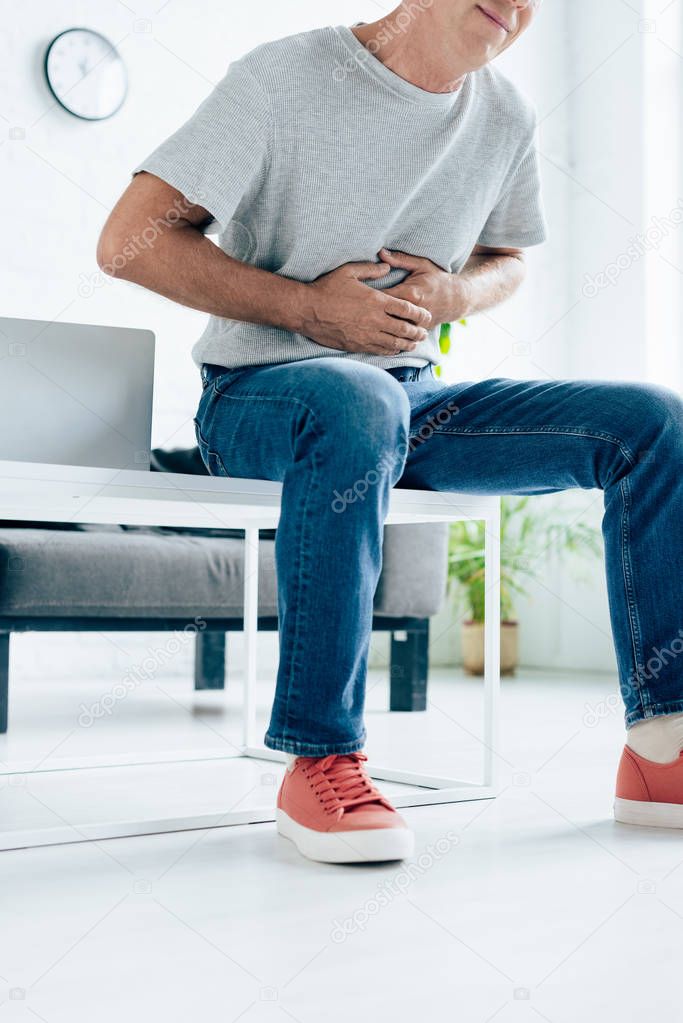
(409,669)
(209,660)
(4,680)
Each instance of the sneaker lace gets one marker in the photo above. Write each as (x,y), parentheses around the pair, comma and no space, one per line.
(341,783)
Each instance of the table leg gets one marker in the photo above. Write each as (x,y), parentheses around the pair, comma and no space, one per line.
(251,567)
(491,647)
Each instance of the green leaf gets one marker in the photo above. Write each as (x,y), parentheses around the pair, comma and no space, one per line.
(530,531)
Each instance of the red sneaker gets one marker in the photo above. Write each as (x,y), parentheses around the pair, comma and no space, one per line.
(330,809)
(649,793)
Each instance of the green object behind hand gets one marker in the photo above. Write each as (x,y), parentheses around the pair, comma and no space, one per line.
(445,341)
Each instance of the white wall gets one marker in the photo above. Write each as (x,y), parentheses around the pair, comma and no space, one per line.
(564,622)
(624,80)
(606,78)
(63,176)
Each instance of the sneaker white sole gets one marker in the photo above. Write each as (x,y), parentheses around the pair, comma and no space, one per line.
(650,815)
(350,846)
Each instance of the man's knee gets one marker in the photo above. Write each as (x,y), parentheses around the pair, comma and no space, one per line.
(365,409)
(656,410)
(665,405)
(646,417)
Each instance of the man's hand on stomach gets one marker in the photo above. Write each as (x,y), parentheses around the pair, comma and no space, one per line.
(489,277)
(344,313)
(442,293)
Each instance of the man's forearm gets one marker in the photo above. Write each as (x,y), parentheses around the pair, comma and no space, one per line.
(485,282)
(183,265)
(176,260)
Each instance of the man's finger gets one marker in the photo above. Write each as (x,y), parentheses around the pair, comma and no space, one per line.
(405,329)
(403,260)
(395,345)
(366,271)
(405,310)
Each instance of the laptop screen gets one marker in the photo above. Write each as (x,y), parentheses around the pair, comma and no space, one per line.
(73,394)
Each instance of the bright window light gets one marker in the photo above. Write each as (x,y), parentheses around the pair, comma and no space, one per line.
(663,233)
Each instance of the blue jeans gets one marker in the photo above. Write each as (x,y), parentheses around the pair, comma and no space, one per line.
(340,434)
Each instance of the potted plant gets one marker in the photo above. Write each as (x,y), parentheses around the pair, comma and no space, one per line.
(528,532)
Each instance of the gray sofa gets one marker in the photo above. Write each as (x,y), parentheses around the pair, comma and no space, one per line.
(107,578)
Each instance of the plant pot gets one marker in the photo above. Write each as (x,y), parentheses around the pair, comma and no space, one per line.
(473,647)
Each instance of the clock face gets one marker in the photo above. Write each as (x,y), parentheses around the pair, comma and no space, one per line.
(86,74)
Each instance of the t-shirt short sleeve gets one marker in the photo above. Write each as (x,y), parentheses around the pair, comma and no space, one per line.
(223,150)
(517,220)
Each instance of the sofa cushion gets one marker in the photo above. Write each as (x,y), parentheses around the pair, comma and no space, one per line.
(140,571)
(127,573)
(415,570)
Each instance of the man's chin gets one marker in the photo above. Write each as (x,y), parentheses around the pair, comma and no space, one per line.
(481,49)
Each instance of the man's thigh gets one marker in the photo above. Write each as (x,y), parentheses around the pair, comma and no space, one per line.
(252,423)
(524,437)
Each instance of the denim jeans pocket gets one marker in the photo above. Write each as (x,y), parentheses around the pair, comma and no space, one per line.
(211,459)
(220,379)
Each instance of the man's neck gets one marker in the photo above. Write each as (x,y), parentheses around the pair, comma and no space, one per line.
(412,53)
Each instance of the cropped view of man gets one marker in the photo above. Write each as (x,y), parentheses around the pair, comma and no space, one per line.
(366,185)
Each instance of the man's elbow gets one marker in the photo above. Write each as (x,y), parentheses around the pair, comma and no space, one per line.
(517,255)
(518,265)
(120,248)
(111,252)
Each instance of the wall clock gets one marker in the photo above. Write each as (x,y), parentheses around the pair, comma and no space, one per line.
(86,74)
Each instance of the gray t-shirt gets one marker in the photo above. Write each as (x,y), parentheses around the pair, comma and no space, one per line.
(311,153)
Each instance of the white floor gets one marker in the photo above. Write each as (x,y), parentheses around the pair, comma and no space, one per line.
(535,905)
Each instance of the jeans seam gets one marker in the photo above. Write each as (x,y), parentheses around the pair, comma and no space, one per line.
(570,431)
(631,602)
(653,710)
(201,441)
(283,399)
(310,749)
(300,589)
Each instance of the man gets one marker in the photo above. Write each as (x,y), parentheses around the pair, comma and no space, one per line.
(369,184)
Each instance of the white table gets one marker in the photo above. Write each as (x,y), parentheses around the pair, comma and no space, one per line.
(58,493)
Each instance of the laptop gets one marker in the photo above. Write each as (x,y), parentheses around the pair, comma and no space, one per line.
(73,394)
